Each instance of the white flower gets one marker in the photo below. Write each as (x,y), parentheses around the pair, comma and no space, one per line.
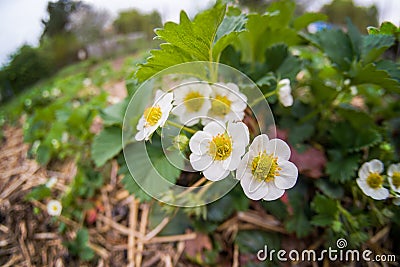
(285,93)
(393,173)
(265,171)
(51,182)
(227,103)
(217,149)
(54,208)
(370,180)
(87,82)
(154,116)
(192,102)
(55,92)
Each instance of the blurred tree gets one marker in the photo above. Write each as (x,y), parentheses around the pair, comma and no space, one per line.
(134,21)
(338,10)
(88,24)
(27,66)
(59,13)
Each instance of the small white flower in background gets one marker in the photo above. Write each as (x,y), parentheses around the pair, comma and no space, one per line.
(227,103)
(87,82)
(371,181)
(45,94)
(191,102)
(51,182)
(55,143)
(393,173)
(217,149)
(54,208)
(265,172)
(76,104)
(55,92)
(285,93)
(154,116)
(64,137)
(113,99)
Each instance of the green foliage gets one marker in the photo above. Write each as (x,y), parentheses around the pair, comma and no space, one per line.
(133,21)
(338,10)
(79,246)
(202,39)
(106,145)
(27,66)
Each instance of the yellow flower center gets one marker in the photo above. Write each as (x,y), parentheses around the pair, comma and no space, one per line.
(152,115)
(396,179)
(55,208)
(220,147)
(193,101)
(220,105)
(264,167)
(374,180)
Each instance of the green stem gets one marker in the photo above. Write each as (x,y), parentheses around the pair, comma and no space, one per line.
(179,126)
(265,96)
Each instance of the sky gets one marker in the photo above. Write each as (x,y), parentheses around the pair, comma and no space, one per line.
(20,20)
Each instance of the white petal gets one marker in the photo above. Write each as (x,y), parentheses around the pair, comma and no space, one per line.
(393,168)
(363,172)
(252,188)
(287,176)
(380,193)
(286,100)
(140,136)
(179,109)
(364,186)
(214,128)
(200,163)
(215,172)
(284,82)
(376,165)
(243,167)
(279,148)
(199,142)
(273,192)
(259,143)
(394,188)
(239,132)
(232,162)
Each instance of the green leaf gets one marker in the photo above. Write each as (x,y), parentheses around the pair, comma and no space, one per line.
(263,31)
(79,246)
(279,60)
(39,193)
(190,40)
(336,45)
(43,154)
(106,145)
(276,208)
(134,189)
(326,210)
(114,115)
(251,241)
(342,168)
(370,74)
(374,45)
(308,18)
(390,67)
(227,33)
(149,164)
(299,221)
(330,189)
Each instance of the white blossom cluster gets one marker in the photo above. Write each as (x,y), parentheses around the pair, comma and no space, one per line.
(222,146)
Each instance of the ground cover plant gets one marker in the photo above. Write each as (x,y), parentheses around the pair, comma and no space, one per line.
(332,172)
